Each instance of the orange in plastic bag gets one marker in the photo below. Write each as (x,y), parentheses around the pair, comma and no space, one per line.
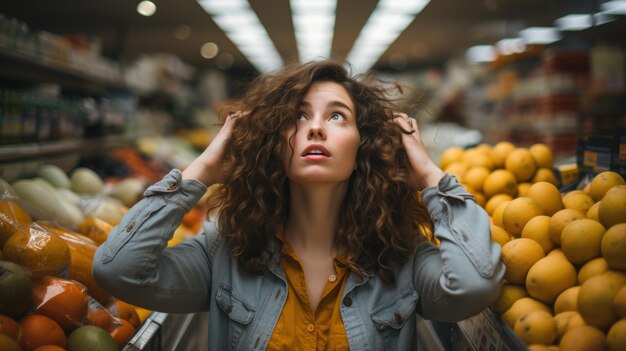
(95,228)
(65,301)
(12,217)
(39,250)
(82,249)
(125,311)
(122,333)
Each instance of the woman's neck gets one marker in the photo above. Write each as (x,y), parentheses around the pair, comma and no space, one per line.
(314,218)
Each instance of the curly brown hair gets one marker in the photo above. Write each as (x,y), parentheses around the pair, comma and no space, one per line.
(381,218)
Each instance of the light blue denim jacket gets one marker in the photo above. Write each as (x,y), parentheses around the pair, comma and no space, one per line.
(449,283)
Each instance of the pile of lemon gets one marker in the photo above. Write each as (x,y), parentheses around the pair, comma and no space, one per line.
(565,254)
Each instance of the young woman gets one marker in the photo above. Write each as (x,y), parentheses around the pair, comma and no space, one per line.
(323,239)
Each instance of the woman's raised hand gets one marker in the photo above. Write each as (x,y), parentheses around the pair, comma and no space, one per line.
(424,172)
(207,168)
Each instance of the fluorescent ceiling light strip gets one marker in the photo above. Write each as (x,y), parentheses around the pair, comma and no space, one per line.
(242,26)
(540,35)
(617,7)
(389,19)
(510,46)
(314,25)
(481,53)
(574,22)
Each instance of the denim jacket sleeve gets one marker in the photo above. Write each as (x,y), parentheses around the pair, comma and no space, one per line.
(134,264)
(463,275)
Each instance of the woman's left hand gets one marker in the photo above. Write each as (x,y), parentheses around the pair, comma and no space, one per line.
(424,172)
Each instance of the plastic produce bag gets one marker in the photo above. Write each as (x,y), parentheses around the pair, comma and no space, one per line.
(63,300)
(39,250)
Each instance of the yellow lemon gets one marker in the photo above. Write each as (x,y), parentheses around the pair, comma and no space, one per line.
(518,212)
(542,155)
(612,208)
(581,240)
(500,152)
(602,182)
(499,235)
(522,188)
(500,181)
(619,302)
(519,255)
(613,246)
(595,299)
(616,337)
(521,307)
(559,220)
(508,295)
(536,327)
(578,200)
(547,196)
(521,163)
(593,212)
(592,268)
(566,301)
(497,213)
(566,321)
(538,229)
(450,156)
(549,277)
(475,177)
(583,338)
(496,200)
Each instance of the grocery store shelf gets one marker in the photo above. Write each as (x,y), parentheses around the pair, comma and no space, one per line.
(25,67)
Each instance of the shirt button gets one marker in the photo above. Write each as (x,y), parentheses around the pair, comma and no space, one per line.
(347,301)
(171,186)
(310,328)
(332,278)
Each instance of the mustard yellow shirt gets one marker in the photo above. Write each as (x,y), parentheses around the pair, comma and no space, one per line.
(301,328)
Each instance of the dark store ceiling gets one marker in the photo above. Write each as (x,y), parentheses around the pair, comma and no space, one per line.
(445,28)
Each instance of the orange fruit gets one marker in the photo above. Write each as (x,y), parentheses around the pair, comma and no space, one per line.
(38,330)
(559,220)
(500,152)
(100,317)
(545,175)
(613,246)
(457,169)
(547,196)
(612,209)
(475,177)
(12,216)
(496,200)
(450,156)
(578,200)
(9,327)
(602,182)
(122,332)
(583,338)
(49,348)
(581,240)
(125,311)
(522,188)
(496,218)
(96,229)
(65,301)
(519,255)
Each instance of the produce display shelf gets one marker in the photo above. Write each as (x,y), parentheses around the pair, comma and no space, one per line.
(163,331)
(486,331)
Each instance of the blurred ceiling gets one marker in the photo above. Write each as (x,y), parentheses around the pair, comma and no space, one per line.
(444,29)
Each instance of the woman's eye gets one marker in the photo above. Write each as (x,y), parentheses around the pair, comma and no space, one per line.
(301,116)
(336,117)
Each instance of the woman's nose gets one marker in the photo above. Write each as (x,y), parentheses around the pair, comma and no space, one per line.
(316,130)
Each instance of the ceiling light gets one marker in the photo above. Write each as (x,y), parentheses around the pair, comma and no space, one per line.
(146,8)
(314,25)
(602,18)
(209,50)
(389,19)
(540,35)
(242,26)
(574,22)
(481,54)
(511,46)
(617,7)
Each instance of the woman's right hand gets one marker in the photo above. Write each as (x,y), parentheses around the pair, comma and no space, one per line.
(207,168)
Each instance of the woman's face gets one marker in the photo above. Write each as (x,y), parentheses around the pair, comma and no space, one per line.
(326,140)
